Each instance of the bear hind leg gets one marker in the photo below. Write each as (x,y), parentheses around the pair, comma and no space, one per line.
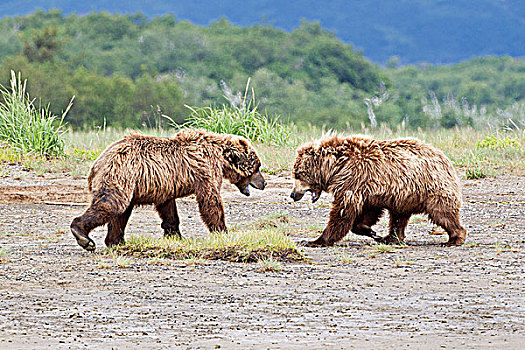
(397,226)
(449,221)
(104,207)
(363,224)
(170,218)
(116,228)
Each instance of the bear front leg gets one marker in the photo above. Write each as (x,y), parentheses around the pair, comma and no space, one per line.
(170,218)
(211,207)
(338,226)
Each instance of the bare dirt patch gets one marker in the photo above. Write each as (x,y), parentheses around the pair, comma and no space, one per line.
(423,295)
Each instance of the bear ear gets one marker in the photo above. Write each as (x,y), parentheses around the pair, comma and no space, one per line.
(243,143)
(233,157)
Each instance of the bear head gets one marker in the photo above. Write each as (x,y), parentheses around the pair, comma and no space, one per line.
(242,165)
(306,174)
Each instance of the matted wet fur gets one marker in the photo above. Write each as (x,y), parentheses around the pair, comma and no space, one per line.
(367,177)
(153,170)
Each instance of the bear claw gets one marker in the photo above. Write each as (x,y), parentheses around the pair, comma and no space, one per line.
(313,244)
(389,240)
(83,240)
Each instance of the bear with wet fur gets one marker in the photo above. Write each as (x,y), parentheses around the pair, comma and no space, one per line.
(141,170)
(367,177)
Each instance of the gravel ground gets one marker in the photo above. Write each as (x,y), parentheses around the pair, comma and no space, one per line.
(55,295)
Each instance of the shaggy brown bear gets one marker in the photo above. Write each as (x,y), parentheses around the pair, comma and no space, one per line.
(153,170)
(367,177)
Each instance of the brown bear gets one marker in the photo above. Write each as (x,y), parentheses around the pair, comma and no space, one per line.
(155,170)
(367,177)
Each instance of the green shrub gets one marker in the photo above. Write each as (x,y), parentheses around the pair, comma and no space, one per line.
(27,128)
(243,119)
(476,173)
(493,142)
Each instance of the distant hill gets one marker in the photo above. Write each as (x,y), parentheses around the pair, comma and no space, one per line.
(434,31)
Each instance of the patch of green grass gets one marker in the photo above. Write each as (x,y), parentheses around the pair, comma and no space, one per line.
(85,154)
(384,248)
(269,265)
(8,154)
(3,252)
(476,173)
(244,119)
(346,259)
(115,260)
(239,246)
(496,142)
(504,248)
(26,127)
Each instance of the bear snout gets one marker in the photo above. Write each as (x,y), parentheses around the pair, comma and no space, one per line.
(296,196)
(257,181)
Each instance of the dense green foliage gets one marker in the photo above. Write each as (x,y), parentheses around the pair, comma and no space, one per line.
(128,70)
(485,91)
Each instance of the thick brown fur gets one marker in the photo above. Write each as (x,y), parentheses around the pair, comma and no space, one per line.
(367,176)
(152,170)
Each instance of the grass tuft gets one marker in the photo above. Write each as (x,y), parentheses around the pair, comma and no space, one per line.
(243,119)
(476,173)
(269,265)
(240,246)
(116,260)
(346,259)
(384,248)
(497,142)
(26,127)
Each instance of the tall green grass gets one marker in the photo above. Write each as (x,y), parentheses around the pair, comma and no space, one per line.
(26,127)
(242,119)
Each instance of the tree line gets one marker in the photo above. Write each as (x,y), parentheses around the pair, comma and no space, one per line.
(128,70)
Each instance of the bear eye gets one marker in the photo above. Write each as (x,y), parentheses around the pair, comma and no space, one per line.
(297,177)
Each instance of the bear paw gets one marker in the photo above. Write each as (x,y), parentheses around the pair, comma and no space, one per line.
(454,242)
(317,243)
(83,240)
(389,240)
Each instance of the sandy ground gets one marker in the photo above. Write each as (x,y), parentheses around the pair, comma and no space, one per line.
(54,295)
